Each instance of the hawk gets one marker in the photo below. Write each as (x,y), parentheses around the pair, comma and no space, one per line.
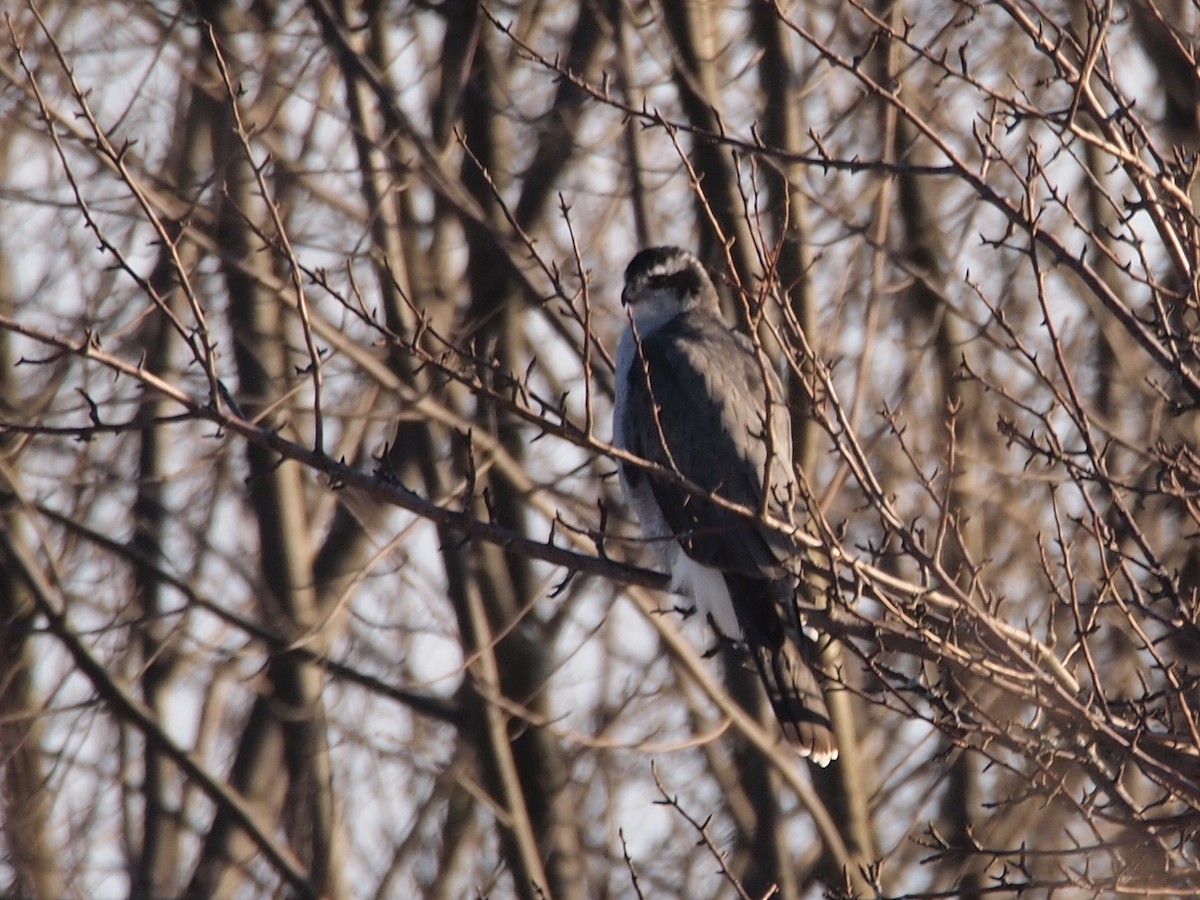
(693,398)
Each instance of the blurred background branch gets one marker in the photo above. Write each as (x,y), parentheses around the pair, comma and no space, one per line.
(315,579)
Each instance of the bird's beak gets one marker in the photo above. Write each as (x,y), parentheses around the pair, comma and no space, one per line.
(625,296)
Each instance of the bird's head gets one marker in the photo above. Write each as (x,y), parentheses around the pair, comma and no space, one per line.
(662,282)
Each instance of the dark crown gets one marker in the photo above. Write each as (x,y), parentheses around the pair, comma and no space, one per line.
(667,267)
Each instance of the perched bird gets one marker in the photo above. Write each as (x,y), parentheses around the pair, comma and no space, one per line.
(694,398)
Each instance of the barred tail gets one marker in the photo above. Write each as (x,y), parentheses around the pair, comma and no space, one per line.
(782,666)
(796,698)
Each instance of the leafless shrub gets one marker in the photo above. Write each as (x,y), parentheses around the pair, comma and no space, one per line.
(314,579)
